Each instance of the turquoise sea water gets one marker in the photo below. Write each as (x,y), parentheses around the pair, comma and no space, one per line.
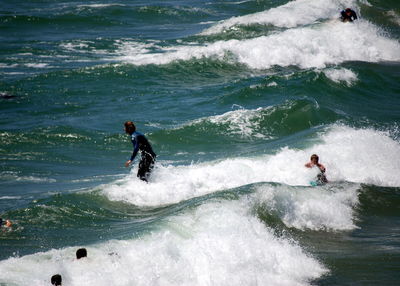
(234,96)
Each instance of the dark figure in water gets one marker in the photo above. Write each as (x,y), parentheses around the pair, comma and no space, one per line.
(80,253)
(141,143)
(314,162)
(348,15)
(6,95)
(56,280)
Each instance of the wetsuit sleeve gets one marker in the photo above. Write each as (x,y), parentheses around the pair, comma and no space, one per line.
(354,15)
(342,15)
(135,148)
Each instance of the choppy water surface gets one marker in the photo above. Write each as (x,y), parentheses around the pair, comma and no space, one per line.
(234,96)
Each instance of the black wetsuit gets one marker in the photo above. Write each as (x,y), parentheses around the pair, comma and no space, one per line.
(348,18)
(147,161)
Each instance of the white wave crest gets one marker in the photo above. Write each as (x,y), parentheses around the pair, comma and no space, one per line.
(243,122)
(341,75)
(394,17)
(216,244)
(292,14)
(306,47)
(312,208)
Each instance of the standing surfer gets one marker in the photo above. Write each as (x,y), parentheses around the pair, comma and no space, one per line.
(141,143)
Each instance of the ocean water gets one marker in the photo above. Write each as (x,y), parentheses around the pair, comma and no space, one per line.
(234,96)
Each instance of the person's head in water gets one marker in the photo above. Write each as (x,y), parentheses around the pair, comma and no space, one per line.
(129,127)
(56,280)
(81,252)
(314,158)
(348,11)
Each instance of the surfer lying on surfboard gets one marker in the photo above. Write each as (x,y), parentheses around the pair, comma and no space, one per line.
(321,178)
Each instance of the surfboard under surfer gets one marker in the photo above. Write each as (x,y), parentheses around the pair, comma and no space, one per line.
(141,143)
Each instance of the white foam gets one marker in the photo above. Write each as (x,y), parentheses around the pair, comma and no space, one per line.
(354,155)
(394,17)
(307,47)
(311,208)
(242,122)
(362,155)
(133,48)
(10,197)
(218,243)
(100,5)
(341,75)
(6,66)
(365,2)
(14,73)
(292,14)
(37,65)
(75,46)
(15,176)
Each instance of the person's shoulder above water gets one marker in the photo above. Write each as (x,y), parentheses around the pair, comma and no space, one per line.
(7,222)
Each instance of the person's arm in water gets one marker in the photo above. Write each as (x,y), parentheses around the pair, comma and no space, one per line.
(354,15)
(343,16)
(135,143)
(321,168)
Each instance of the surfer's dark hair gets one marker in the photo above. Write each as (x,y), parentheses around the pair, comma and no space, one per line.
(130,127)
(314,156)
(56,280)
(81,252)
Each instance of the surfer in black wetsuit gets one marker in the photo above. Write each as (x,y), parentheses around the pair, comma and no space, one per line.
(348,15)
(141,143)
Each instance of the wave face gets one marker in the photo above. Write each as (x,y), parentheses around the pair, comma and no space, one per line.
(234,96)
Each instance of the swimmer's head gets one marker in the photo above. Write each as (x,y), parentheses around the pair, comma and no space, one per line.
(314,158)
(81,252)
(56,280)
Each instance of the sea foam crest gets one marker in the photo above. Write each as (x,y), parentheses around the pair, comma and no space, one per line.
(292,14)
(341,75)
(305,47)
(243,122)
(218,243)
(311,208)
